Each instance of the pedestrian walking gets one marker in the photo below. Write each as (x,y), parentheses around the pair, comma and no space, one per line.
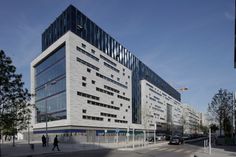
(55,144)
(44,141)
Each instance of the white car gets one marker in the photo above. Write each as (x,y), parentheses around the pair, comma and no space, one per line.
(160,137)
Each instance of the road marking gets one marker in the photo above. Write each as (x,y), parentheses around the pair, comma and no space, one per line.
(153,148)
(179,150)
(163,149)
(171,149)
(187,151)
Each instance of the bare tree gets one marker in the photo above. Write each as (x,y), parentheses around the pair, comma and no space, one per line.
(220,109)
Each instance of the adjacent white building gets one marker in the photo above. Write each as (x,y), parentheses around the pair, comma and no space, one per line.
(204,119)
(191,118)
(159,108)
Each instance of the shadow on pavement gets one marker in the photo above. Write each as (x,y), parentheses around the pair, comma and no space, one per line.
(227,148)
(219,147)
(25,150)
(199,143)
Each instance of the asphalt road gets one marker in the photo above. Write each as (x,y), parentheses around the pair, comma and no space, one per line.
(185,150)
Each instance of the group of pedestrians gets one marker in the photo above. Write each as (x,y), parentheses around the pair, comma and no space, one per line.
(55,142)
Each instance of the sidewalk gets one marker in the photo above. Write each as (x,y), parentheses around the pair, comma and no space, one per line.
(226,151)
(23,149)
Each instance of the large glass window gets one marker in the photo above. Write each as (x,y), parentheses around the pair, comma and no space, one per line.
(50,87)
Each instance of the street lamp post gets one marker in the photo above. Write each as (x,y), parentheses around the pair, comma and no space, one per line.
(133,138)
(46,118)
(127,135)
(183,89)
(155,128)
(46,105)
(210,140)
(28,133)
(234,127)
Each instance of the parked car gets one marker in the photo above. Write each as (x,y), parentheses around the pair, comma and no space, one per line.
(150,139)
(160,137)
(186,137)
(176,140)
(168,137)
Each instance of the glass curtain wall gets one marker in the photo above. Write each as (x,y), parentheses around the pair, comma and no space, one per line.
(50,87)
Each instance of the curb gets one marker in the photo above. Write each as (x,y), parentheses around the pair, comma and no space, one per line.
(197,139)
(58,152)
(140,148)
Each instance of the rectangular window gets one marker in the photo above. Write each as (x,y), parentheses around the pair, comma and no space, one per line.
(87,95)
(92,118)
(111,67)
(111,89)
(87,64)
(120,121)
(108,79)
(122,97)
(102,105)
(83,45)
(83,78)
(84,84)
(108,60)
(104,91)
(108,115)
(87,54)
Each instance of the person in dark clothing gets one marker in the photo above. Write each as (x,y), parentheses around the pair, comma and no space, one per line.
(55,144)
(44,141)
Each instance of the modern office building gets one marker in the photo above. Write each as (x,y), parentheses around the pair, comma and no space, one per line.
(85,79)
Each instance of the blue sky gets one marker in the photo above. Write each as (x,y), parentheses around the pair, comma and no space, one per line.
(189,43)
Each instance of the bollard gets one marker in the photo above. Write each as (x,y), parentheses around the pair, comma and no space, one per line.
(32,147)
